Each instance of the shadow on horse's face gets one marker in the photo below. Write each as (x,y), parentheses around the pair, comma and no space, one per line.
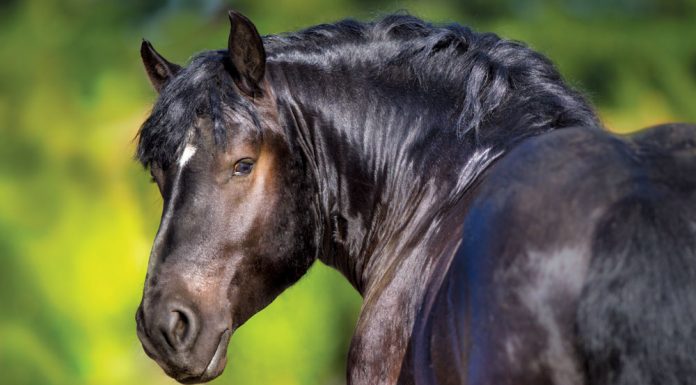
(231,237)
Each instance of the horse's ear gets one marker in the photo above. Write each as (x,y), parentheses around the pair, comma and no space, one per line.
(246,53)
(159,69)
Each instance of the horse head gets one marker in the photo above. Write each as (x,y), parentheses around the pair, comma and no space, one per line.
(235,229)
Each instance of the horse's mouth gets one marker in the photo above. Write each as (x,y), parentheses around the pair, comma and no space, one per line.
(214,367)
(219,359)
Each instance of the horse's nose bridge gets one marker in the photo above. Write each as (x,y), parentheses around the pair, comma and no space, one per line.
(181,236)
(161,241)
(165,238)
(181,233)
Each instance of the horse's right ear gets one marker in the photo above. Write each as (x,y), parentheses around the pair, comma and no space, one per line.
(246,53)
(159,69)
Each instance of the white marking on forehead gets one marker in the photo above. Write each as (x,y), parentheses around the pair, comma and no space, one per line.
(188,153)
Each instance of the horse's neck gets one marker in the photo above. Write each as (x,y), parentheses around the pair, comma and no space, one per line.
(387,166)
(392,176)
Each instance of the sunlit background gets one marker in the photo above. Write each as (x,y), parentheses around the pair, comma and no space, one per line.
(77,214)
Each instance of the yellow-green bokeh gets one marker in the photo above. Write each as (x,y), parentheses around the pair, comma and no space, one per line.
(77,214)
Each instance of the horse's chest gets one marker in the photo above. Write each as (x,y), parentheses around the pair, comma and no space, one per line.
(381,338)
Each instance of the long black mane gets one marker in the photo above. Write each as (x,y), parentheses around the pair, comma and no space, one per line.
(486,71)
(502,90)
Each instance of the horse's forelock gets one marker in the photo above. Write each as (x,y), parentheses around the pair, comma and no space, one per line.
(202,89)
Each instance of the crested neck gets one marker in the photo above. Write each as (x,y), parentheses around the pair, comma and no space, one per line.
(384,163)
(394,138)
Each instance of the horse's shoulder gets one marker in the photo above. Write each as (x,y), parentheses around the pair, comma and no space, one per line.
(520,253)
(525,250)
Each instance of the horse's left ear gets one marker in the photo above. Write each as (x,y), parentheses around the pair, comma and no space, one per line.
(246,53)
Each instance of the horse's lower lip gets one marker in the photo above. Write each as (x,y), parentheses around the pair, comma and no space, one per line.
(216,364)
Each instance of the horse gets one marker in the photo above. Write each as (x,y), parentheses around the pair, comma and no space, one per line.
(496,231)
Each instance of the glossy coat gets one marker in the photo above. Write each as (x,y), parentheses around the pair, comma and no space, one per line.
(497,233)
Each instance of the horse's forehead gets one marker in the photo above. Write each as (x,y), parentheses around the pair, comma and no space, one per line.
(200,107)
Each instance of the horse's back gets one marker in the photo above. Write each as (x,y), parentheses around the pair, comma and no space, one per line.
(563,230)
(637,315)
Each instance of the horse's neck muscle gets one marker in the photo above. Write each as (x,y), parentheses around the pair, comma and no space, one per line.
(386,169)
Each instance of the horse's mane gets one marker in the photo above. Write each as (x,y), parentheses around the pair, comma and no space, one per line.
(498,83)
(486,70)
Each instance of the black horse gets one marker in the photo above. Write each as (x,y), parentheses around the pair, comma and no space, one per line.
(497,233)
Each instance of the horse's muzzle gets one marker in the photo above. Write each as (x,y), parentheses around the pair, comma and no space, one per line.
(176,341)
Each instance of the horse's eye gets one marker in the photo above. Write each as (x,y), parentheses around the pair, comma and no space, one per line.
(243,167)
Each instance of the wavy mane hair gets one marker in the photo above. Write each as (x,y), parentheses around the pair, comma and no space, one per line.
(369,147)
(500,90)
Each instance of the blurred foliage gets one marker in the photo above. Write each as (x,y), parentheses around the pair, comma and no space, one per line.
(77,215)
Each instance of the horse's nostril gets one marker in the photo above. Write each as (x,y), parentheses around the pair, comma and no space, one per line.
(180,324)
(181,328)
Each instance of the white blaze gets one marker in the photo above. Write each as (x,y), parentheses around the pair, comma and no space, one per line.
(188,153)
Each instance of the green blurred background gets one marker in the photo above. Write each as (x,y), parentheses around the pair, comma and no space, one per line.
(77,215)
